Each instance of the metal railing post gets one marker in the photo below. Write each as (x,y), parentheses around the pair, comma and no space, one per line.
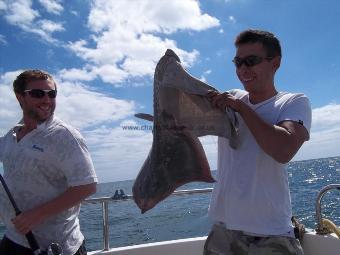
(320,228)
(105,207)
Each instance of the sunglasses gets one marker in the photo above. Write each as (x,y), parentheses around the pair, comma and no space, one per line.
(249,61)
(40,93)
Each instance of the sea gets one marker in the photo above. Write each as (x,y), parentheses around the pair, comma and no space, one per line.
(186,216)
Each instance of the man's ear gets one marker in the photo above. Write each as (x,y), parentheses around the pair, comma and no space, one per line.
(276,62)
(20,98)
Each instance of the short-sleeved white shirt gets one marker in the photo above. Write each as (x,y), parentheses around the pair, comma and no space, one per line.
(252,191)
(40,167)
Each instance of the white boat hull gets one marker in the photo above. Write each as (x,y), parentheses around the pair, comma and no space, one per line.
(312,245)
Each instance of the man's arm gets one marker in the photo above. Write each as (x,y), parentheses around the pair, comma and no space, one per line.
(26,221)
(281,141)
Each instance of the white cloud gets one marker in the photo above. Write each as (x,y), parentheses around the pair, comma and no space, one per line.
(111,73)
(75,74)
(10,112)
(3,39)
(21,14)
(87,109)
(124,151)
(52,6)
(124,42)
(119,153)
(209,144)
(75,13)
(150,16)
(204,75)
(324,138)
(128,41)
(232,19)
(50,26)
(325,134)
(122,154)
(3,5)
(326,117)
(76,104)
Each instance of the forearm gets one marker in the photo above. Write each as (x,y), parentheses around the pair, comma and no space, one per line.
(274,140)
(27,220)
(280,141)
(71,197)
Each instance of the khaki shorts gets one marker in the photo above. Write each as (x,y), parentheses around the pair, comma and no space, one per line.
(222,241)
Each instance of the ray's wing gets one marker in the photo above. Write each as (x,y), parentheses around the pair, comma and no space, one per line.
(176,157)
(181,115)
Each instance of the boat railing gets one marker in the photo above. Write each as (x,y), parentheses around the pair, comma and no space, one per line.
(321,229)
(104,201)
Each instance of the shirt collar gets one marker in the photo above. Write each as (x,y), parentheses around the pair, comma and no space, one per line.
(39,127)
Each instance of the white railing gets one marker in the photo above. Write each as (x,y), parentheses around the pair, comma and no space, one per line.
(104,201)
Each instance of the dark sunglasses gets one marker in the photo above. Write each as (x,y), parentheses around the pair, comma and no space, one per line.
(249,61)
(40,93)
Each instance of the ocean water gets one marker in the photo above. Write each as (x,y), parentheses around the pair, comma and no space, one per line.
(186,216)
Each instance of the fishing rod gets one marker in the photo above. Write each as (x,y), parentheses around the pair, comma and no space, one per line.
(54,248)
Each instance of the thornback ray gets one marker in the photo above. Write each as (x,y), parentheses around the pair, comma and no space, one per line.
(182,113)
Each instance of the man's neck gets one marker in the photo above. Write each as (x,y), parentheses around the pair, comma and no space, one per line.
(26,128)
(261,96)
(30,123)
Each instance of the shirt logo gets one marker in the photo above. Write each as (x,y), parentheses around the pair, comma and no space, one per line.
(38,148)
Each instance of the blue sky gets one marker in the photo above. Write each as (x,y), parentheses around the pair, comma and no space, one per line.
(103,55)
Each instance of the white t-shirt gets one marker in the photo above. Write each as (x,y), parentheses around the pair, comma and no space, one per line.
(47,161)
(252,191)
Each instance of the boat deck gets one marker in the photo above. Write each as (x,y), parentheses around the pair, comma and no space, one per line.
(313,244)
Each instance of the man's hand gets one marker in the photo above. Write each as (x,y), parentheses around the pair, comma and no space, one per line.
(26,221)
(223,100)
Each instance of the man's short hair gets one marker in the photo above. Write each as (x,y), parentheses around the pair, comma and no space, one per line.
(20,83)
(270,43)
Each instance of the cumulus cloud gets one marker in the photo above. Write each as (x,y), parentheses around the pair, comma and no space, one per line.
(324,138)
(52,6)
(98,116)
(3,6)
(232,19)
(3,39)
(75,104)
(50,26)
(124,42)
(326,117)
(128,42)
(10,112)
(119,153)
(113,147)
(75,74)
(204,75)
(20,13)
(150,16)
(325,133)
(122,154)
(87,109)
(125,151)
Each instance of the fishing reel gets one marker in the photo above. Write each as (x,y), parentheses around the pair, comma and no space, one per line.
(53,249)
